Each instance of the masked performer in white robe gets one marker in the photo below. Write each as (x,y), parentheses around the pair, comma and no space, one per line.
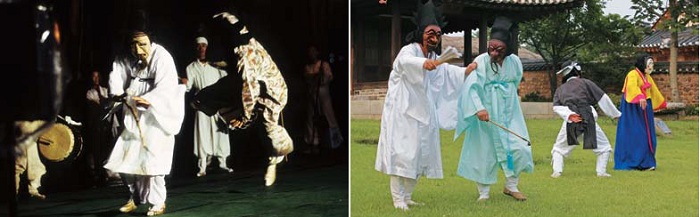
(421,99)
(574,101)
(209,139)
(153,113)
(490,94)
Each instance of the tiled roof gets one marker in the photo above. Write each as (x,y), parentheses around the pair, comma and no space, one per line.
(660,39)
(458,42)
(516,4)
(534,65)
(528,2)
(683,67)
(659,67)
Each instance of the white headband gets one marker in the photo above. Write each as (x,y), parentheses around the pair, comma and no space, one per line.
(201,40)
(568,68)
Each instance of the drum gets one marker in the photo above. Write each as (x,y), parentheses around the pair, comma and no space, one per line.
(61,142)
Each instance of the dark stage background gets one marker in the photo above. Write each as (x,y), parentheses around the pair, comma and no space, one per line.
(93,32)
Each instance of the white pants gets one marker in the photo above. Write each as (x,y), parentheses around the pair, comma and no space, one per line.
(562,149)
(511,185)
(204,161)
(29,162)
(144,189)
(402,188)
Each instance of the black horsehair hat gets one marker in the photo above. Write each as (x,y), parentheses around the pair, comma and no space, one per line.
(500,30)
(427,14)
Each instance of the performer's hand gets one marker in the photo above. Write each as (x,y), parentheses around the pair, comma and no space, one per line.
(235,123)
(183,80)
(471,67)
(430,64)
(141,102)
(643,104)
(229,17)
(575,118)
(220,64)
(483,115)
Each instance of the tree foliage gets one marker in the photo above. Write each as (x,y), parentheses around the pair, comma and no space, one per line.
(674,16)
(610,56)
(681,13)
(602,43)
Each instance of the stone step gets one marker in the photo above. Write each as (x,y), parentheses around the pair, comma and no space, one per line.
(371,92)
(370,85)
(368,97)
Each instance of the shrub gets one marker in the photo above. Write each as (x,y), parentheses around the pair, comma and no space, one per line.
(691,110)
(535,97)
(616,99)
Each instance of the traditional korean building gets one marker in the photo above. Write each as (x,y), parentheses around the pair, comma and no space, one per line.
(378,28)
(658,45)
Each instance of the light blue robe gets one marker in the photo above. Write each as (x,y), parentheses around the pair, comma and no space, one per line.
(486,147)
(418,103)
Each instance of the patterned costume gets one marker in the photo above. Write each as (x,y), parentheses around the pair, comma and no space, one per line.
(263,85)
(263,94)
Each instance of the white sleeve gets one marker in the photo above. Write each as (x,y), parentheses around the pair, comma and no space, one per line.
(117,78)
(410,66)
(608,107)
(564,112)
(190,78)
(446,94)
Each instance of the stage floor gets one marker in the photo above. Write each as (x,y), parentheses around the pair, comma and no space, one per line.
(303,188)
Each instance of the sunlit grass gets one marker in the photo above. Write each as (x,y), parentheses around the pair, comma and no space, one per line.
(671,190)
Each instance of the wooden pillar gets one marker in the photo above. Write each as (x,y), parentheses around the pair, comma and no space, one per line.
(360,51)
(395,29)
(515,32)
(352,70)
(467,55)
(483,29)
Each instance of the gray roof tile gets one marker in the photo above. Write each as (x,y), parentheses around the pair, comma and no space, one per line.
(660,39)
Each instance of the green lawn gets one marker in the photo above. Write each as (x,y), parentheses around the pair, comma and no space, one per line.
(671,190)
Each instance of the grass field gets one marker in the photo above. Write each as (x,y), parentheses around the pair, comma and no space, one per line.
(671,190)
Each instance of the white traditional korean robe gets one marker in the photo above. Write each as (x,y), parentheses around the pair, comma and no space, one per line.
(209,140)
(158,84)
(418,103)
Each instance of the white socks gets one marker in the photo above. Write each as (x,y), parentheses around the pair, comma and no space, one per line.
(601,164)
(483,190)
(512,184)
(401,190)
(557,164)
(397,192)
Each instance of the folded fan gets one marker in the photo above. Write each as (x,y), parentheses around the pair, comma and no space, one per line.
(449,54)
